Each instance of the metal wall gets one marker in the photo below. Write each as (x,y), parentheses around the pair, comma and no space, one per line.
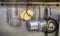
(29,0)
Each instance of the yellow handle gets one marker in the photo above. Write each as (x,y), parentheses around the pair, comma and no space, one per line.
(25,16)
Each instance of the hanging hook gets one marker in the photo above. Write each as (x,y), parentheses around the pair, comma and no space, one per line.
(47,12)
(39,11)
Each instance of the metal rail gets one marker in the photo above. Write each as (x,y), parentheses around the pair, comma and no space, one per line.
(34,3)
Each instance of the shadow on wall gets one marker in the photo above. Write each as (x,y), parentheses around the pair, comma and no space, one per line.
(5,33)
